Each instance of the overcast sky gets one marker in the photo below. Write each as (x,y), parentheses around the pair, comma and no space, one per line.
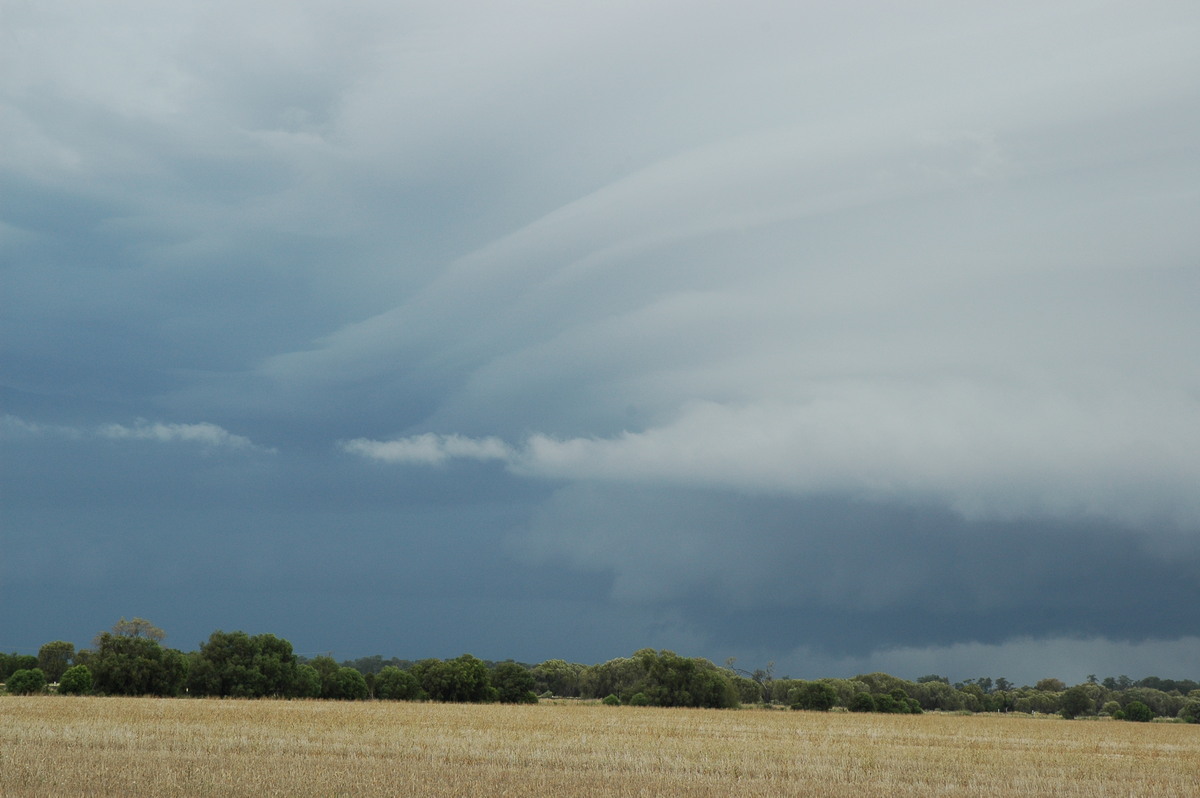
(848,336)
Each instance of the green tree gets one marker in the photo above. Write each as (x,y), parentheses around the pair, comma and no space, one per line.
(307,683)
(76,680)
(816,696)
(513,684)
(558,677)
(349,685)
(1051,685)
(863,702)
(1190,713)
(1137,711)
(240,665)
(11,663)
(136,665)
(670,680)
(138,627)
(1077,701)
(27,681)
(393,684)
(462,679)
(54,658)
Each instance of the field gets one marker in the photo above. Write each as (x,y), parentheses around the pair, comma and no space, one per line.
(58,746)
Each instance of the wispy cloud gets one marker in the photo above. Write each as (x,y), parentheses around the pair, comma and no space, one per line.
(204,434)
(430,449)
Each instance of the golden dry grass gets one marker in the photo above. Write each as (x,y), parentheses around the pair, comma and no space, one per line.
(59,746)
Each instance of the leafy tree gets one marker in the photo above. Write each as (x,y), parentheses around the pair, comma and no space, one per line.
(670,680)
(76,680)
(513,683)
(307,683)
(933,677)
(1137,711)
(863,702)
(463,679)
(240,665)
(1051,685)
(1077,701)
(393,684)
(936,694)
(348,685)
(1190,713)
(817,696)
(558,677)
(11,663)
(54,658)
(27,681)
(136,665)
(138,627)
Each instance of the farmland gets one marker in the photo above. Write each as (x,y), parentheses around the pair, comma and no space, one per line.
(171,747)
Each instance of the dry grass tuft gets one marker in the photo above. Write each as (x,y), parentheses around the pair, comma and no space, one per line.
(121,747)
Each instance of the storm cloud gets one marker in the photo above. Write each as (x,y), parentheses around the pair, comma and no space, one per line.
(841,336)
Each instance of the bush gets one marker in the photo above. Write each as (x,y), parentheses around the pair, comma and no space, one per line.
(27,681)
(639,700)
(611,700)
(1137,711)
(76,681)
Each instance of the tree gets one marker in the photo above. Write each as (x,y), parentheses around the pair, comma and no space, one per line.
(11,663)
(349,685)
(307,684)
(1051,685)
(670,680)
(863,702)
(138,627)
(816,696)
(26,682)
(240,665)
(1077,701)
(76,680)
(136,665)
(393,684)
(54,658)
(462,679)
(513,683)
(1191,711)
(558,677)
(1137,711)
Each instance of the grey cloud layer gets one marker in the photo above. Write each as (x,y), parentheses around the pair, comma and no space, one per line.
(642,281)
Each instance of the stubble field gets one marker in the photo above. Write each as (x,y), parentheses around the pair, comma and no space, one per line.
(57,746)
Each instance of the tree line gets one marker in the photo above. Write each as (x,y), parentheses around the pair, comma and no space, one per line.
(131,660)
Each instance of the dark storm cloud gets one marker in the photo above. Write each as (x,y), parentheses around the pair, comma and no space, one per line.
(860,335)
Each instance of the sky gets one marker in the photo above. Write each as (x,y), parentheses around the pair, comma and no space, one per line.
(841,336)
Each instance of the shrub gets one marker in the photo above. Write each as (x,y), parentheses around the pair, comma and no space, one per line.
(611,700)
(27,681)
(1137,711)
(76,681)
(1191,711)
(639,700)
